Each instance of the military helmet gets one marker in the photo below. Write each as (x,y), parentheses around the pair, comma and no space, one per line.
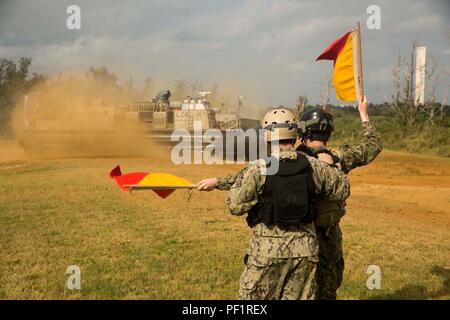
(279,124)
(316,124)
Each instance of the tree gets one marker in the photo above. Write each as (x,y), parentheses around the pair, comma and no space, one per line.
(130,86)
(411,106)
(102,76)
(442,108)
(403,97)
(148,91)
(433,109)
(14,83)
(180,90)
(396,104)
(214,97)
(102,84)
(404,103)
(195,88)
(325,92)
(430,107)
(301,104)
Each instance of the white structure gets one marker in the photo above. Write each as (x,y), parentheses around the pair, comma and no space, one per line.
(419,75)
(199,104)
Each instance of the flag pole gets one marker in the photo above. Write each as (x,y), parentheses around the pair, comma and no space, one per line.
(359,61)
(133,187)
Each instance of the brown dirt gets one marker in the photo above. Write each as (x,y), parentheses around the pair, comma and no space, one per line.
(10,151)
(417,187)
(411,189)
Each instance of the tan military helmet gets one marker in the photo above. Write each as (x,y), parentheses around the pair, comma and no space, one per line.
(279,124)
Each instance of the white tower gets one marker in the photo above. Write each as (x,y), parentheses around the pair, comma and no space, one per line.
(419,72)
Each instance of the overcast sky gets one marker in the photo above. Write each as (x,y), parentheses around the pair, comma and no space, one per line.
(265,49)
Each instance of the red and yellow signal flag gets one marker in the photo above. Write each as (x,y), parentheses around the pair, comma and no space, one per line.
(163,184)
(347,72)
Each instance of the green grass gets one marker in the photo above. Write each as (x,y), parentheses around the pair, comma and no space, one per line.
(56,213)
(52,216)
(423,138)
(406,265)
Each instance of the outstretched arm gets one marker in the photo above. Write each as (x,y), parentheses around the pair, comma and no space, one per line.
(243,194)
(220,183)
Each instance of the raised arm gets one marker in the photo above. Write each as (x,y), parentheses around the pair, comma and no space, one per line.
(352,156)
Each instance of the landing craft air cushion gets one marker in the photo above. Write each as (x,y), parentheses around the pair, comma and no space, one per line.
(43,133)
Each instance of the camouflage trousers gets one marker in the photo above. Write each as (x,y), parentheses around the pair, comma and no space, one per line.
(330,269)
(278,278)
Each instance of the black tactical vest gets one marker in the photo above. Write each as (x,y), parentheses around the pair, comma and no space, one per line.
(287,196)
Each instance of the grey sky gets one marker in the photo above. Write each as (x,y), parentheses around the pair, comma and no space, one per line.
(265,49)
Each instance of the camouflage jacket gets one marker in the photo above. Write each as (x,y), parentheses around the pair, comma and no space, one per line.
(346,157)
(271,241)
(351,157)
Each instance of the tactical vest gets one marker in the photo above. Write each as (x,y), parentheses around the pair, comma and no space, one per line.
(287,196)
(327,212)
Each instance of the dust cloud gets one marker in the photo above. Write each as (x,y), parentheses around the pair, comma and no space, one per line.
(81,117)
(87,116)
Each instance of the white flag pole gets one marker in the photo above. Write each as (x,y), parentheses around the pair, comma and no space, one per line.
(360,93)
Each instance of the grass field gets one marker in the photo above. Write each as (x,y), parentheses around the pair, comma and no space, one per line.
(56,213)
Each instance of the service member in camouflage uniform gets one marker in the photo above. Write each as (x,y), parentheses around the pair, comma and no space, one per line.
(282,256)
(315,128)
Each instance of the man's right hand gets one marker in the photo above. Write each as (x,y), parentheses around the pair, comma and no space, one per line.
(362,108)
(206,184)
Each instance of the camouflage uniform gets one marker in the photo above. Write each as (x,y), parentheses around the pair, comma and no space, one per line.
(331,262)
(280,263)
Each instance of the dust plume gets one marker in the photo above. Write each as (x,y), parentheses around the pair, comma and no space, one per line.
(82,117)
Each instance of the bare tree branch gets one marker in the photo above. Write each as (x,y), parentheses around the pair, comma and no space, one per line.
(325,92)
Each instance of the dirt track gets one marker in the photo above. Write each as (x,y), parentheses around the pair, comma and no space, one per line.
(414,187)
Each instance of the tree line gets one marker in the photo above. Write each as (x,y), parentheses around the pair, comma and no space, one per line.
(402,101)
(98,86)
